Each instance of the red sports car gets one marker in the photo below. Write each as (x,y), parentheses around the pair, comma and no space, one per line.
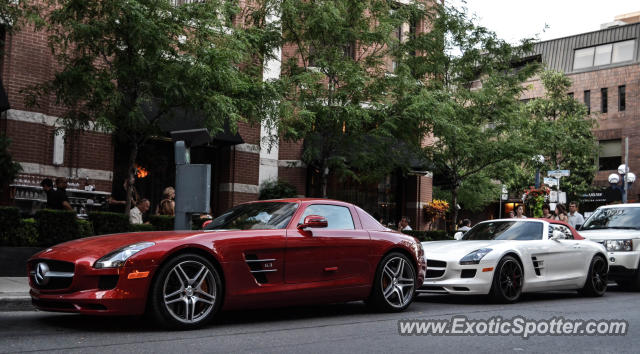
(259,254)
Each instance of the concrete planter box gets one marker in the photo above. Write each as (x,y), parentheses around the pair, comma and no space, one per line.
(13,260)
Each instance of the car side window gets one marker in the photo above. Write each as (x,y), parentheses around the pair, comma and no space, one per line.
(338,217)
(565,230)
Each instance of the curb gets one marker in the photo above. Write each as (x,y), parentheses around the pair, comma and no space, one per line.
(16,303)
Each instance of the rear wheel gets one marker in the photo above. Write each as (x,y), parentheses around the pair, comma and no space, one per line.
(186,293)
(596,283)
(394,285)
(507,281)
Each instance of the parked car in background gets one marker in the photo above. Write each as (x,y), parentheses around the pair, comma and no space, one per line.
(617,228)
(507,257)
(261,254)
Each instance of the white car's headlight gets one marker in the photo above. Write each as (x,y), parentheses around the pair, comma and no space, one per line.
(118,257)
(475,256)
(618,245)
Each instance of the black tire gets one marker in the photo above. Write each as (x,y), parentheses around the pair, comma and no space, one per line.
(394,285)
(188,300)
(508,279)
(596,283)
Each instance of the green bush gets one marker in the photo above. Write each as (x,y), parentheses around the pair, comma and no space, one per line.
(141,227)
(277,189)
(162,222)
(434,235)
(9,223)
(108,223)
(27,234)
(86,228)
(55,226)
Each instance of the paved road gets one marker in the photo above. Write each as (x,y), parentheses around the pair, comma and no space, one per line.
(328,329)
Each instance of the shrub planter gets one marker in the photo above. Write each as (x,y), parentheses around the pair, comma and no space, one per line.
(13,260)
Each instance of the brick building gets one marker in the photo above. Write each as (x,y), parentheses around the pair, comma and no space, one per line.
(604,67)
(94,158)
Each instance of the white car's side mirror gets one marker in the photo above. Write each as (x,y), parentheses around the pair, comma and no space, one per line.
(458,235)
(558,235)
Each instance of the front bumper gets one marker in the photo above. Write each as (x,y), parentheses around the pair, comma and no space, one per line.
(623,265)
(453,282)
(95,292)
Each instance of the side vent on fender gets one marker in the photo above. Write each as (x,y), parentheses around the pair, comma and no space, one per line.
(259,267)
(538,265)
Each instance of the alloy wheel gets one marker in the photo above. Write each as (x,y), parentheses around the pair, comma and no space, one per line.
(397,282)
(510,279)
(189,291)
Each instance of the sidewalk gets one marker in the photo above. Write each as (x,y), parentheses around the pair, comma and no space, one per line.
(14,294)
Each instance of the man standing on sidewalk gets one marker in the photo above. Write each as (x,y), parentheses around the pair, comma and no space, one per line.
(575,218)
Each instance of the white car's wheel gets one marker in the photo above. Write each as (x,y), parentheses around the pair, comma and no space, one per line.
(507,281)
(596,284)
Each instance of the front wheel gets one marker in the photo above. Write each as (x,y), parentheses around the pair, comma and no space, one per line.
(186,293)
(596,283)
(507,281)
(394,285)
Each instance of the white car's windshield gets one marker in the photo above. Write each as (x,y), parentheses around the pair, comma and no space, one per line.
(505,230)
(613,218)
(255,216)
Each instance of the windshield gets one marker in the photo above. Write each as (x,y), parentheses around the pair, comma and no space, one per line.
(255,216)
(613,218)
(505,230)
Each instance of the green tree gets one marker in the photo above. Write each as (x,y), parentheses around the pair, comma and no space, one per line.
(9,169)
(561,129)
(337,86)
(470,102)
(117,58)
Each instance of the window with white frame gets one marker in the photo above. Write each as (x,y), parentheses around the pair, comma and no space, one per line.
(605,54)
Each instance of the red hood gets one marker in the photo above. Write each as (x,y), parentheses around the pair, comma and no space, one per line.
(92,248)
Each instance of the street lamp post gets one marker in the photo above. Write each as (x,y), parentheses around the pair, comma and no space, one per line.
(538,160)
(626,177)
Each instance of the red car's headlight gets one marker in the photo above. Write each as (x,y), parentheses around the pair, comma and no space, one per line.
(118,257)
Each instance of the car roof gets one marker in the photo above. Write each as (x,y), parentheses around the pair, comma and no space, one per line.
(301,200)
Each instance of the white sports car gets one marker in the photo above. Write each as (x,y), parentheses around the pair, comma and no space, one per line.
(506,257)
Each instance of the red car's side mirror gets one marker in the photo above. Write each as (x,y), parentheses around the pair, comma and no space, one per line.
(314,221)
(204,224)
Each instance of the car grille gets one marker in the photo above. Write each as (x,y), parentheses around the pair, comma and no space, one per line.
(435,268)
(58,274)
(468,273)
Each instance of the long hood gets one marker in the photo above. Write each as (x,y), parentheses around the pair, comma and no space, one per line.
(609,234)
(457,249)
(92,248)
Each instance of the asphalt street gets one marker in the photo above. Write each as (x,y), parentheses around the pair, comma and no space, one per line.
(329,329)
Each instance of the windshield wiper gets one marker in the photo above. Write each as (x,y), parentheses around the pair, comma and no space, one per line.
(624,227)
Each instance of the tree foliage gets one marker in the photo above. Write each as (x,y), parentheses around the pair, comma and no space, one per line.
(337,86)
(9,169)
(126,65)
(561,131)
(470,102)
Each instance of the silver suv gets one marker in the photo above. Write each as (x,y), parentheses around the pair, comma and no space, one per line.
(617,227)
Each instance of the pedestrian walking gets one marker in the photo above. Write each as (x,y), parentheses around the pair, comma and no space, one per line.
(167,205)
(403,225)
(560,213)
(136,213)
(575,218)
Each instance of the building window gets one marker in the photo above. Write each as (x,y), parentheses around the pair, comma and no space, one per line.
(587,100)
(622,98)
(570,95)
(605,54)
(610,156)
(604,100)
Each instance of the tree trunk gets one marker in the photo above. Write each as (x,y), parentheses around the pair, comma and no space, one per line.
(133,154)
(325,178)
(454,201)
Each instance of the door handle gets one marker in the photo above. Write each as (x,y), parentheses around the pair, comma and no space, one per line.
(576,245)
(331,269)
